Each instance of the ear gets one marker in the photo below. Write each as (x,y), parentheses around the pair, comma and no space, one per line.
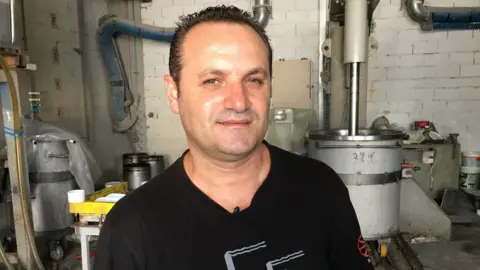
(172,93)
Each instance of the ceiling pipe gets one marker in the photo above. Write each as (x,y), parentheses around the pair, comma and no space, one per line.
(124,103)
(443,18)
(262,11)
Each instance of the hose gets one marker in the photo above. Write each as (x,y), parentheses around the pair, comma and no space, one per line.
(4,257)
(17,129)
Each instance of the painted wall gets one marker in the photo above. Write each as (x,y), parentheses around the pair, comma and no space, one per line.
(416,75)
(413,75)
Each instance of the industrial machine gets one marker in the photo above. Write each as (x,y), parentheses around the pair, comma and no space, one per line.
(42,162)
(369,160)
(288,127)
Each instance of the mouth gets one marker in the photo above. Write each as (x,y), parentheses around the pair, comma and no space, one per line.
(235,123)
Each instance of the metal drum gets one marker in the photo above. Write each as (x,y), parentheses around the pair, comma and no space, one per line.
(370,166)
(135,174)
(47,156)
(133,158)
(50,180)
(50,204)
(157,164)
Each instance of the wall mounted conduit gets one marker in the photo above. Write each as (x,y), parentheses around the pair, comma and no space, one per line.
(443,18)
(124,106)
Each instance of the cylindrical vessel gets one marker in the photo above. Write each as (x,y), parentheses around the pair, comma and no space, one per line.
(356,35)
(157,164)
(133,158)
(48,156)
(135,174)
(471,159)
(470,170)
(369,165)
(50,181)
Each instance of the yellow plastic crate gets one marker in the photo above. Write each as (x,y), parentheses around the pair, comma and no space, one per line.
(91,207)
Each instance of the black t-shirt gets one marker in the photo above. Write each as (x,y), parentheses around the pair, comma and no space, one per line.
(301,218)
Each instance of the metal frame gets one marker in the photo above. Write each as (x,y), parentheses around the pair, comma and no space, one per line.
(84,231)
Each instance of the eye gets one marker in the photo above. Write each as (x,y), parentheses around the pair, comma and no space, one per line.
(256,81)
(211,81)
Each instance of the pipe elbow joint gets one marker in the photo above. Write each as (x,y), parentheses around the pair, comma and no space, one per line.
(417,10)
(261,12)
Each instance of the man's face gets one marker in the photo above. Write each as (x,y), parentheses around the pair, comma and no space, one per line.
(224,93)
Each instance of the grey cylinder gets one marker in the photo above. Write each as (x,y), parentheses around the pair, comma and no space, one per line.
(133,158)
(157,164)
(369,164)
(50,180)
(135,174)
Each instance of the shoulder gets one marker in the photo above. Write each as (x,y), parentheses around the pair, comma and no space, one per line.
(307,172)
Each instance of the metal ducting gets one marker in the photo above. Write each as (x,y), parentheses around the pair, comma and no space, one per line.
(123,106)
(443,18)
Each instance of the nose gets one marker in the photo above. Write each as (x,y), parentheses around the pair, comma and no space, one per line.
(237,98)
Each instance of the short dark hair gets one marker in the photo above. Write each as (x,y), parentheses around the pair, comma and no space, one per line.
(221,13)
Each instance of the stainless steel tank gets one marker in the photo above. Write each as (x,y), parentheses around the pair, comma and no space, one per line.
(11,25)
(157,164)
(369,164)
(135,174)
(50,180)
(133,158)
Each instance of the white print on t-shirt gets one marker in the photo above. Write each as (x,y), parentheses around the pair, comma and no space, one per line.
(229,255)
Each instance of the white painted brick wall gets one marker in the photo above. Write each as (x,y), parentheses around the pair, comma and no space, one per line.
(413,75)
(293,31)
(417,75)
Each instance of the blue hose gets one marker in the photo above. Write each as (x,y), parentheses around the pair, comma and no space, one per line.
(111,27)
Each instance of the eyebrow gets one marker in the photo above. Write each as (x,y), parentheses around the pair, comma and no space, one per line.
(218,72)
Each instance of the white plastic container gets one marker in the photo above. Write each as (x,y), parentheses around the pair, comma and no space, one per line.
(76,196)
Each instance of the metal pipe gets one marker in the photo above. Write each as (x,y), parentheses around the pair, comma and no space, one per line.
(323,18)
(355,52)
(354,98)
(85,68)
(262,11)
(417,10)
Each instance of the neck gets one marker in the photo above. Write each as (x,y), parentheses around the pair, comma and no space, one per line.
(231,183)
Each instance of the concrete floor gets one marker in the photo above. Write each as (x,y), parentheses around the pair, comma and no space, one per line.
(461,253)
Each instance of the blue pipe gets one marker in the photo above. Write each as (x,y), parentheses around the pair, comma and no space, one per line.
(111,27)
(461,20)
(443,18)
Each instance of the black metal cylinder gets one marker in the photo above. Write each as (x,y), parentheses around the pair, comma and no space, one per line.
(157,164)
(135,174)
(133,158)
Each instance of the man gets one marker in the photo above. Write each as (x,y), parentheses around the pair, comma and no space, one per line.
(231,201)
